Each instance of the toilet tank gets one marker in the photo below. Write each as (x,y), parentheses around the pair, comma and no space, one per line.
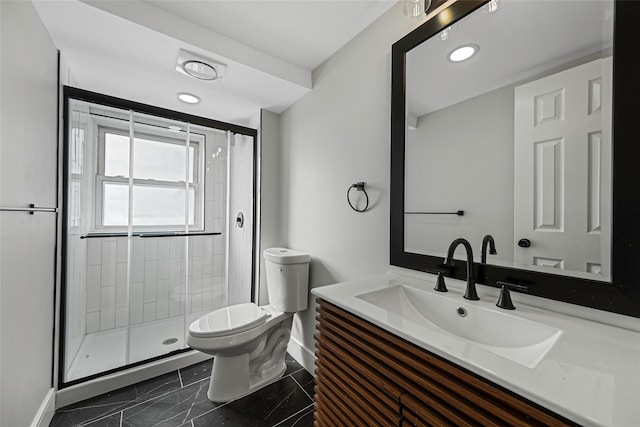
(287,278)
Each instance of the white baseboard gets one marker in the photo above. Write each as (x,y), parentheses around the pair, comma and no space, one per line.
(303,355)
(45,412)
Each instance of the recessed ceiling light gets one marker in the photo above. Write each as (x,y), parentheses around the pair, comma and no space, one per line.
(188,98)
(463,53)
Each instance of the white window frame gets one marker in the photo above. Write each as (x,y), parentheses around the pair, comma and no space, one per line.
(197,141)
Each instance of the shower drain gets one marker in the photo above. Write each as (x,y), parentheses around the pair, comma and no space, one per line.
(170,341)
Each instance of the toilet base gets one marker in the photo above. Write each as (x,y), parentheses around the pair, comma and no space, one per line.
(223,390)
(236,376)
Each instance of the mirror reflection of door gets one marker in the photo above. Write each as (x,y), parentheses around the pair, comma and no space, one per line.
(562,176)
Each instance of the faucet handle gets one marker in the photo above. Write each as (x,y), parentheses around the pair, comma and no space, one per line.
(523,288)
(444,267)
(504,300)
(440,286)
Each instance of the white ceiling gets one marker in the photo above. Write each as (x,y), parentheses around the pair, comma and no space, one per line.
(522,39)
(128,49)
(303,32)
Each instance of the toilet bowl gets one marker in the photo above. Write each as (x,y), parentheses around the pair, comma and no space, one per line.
(249,342)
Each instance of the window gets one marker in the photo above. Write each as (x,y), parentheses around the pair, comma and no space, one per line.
(165,173)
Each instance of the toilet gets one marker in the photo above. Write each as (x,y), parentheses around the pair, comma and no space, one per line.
(250,342)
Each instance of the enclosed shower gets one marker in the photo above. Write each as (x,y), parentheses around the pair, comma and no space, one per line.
(158,229)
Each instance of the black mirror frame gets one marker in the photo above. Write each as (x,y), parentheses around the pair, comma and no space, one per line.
(622,294)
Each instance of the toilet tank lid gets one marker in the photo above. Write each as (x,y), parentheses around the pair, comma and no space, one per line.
(286,256)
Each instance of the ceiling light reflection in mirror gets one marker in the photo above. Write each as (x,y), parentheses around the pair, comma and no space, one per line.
(463,53)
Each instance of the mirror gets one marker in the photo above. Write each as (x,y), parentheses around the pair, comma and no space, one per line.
(516,142)
(527,119)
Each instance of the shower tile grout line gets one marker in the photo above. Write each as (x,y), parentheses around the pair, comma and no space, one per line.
(87,422)
(149,400)
(173,391)
(293,415)
(182,386)
(134,405)
(302,388)
(198,381)
(211,410)
(226,403)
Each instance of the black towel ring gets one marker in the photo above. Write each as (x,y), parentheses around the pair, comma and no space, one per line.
(360,187)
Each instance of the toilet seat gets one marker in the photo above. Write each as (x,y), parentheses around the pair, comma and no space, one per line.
(228,321)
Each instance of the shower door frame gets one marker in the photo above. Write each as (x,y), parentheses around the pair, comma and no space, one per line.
(72,93)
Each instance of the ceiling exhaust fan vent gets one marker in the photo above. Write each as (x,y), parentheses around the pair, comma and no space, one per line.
(199,67)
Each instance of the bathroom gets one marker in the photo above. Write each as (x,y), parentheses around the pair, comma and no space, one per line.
(335,134)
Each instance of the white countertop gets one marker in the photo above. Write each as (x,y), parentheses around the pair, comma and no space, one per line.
(590,376)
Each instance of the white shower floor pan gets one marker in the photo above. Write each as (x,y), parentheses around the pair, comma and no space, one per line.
(106,350)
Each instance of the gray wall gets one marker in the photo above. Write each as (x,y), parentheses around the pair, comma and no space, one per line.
(477,135)
(270,192)
(334,136)
(28,153)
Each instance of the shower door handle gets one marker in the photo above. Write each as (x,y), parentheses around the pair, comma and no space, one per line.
(31,209)
(240,220)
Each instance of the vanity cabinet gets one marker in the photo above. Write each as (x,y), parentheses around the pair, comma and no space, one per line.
(366,376)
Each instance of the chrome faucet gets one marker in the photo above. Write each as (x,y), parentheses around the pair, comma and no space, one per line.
(470,293)
(488,239)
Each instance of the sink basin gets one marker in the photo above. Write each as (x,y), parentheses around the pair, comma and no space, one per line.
(521,340)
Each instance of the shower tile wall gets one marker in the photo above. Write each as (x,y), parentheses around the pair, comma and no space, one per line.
(157,279)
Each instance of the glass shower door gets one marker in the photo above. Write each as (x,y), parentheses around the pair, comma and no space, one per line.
(208,275)
(165,198)
(152,237)
(83,258)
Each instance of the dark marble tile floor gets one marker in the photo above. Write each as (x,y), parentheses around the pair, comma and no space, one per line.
(179,399)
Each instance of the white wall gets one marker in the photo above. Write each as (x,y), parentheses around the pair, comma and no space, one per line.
(28,153)
(334,136)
